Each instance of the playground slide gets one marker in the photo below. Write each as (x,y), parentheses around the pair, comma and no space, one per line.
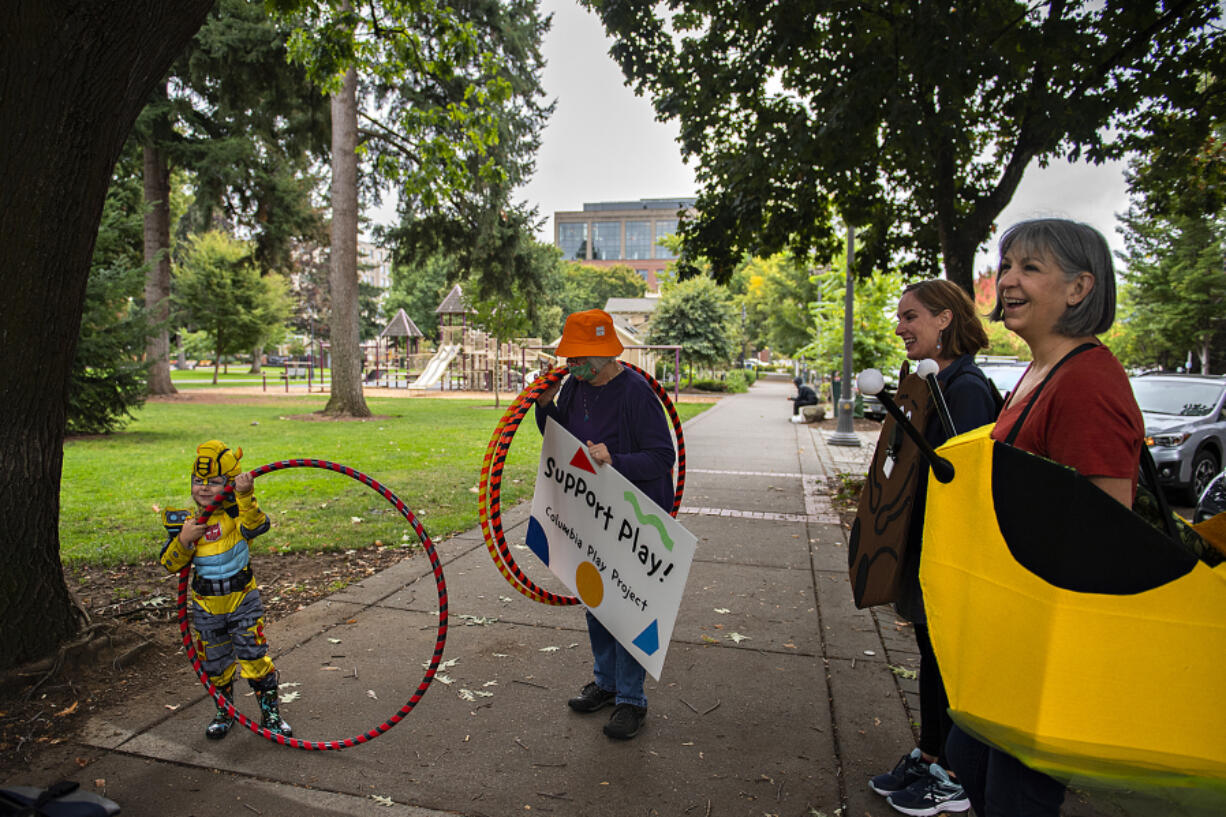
(435,368)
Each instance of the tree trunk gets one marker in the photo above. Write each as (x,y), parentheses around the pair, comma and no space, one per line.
(256,354)
(347,398)
(157,278)
(62,130)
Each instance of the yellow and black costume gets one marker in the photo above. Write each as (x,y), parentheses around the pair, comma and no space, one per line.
(227,612)
(1071,633)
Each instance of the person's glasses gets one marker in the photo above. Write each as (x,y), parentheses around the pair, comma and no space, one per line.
(215,482)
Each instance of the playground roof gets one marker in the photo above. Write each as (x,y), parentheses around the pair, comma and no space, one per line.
(401,326)
(454,303)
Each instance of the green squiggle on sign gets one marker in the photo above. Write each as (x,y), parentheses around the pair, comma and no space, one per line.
(649,519)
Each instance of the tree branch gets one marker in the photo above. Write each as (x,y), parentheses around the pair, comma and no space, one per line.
(382,131)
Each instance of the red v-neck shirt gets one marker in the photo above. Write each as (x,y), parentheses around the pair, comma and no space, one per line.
(1085,417)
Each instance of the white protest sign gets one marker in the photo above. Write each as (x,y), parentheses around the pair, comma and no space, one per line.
(622,554)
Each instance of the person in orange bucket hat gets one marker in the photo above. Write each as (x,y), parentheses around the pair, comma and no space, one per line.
(615,411)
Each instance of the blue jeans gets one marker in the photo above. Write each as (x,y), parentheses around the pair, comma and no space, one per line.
(998,784)
(615,669)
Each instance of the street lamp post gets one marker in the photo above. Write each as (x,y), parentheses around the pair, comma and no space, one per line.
(844,433)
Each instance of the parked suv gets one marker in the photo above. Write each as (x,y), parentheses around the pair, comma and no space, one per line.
(1185,427)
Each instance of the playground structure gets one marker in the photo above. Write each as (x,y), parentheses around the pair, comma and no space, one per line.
(467,357)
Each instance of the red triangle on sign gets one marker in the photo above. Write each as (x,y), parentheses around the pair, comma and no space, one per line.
(580,460)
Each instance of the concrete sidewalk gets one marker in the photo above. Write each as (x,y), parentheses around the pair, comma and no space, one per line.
(778,697)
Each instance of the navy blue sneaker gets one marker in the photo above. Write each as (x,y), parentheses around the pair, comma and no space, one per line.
(911,768)
(934,794)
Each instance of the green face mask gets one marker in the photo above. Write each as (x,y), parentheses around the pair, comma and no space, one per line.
(584,371)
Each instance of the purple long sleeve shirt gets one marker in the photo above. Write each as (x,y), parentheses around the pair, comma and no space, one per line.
(627,417)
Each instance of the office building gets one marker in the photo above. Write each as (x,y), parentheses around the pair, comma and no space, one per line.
(621,232)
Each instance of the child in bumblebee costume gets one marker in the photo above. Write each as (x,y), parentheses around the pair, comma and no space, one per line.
(227,613)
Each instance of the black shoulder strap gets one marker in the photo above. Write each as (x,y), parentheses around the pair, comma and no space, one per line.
(1034,395)
(997,400)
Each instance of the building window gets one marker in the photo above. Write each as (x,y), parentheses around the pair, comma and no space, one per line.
(572,239)
(642,274)
(606,240)
(664,227)
(638,239)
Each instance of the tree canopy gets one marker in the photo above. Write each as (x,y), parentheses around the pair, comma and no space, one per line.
(913,122)
(443,103)
(219,290)
(876,299)
(695,314)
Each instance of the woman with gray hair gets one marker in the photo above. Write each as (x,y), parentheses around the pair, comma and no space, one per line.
(1055,288)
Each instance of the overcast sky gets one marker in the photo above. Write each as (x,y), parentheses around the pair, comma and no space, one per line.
(604,144)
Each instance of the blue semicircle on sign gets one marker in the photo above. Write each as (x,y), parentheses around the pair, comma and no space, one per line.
(537,540)
(649,640)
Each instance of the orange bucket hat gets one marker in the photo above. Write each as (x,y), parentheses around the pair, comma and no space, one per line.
(589,334)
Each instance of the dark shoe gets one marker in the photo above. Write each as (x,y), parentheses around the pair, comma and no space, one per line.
(626,721)
(591,698)
(933,794)
(219,727)
(911,768)
(270,712)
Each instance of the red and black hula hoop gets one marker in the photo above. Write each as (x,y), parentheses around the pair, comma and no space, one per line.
(489,491)
(440,583)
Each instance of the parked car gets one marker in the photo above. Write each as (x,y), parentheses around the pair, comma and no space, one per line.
(1213,501)
(1185,427)
(1004,373)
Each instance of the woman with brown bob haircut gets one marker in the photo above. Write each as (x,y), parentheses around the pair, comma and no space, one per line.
(936,320)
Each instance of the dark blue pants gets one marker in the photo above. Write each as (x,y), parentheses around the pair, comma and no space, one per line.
(998,784)
(616,670)
(934,703)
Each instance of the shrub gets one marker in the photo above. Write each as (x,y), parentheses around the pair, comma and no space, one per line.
(738,381)
(708,384)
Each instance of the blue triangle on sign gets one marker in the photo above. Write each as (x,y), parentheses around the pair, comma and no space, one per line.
(537,540)
(649,640)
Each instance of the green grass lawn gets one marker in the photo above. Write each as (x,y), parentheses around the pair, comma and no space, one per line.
(427,451)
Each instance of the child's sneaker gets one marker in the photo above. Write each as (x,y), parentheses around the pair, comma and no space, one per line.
(911,768)
(932,794)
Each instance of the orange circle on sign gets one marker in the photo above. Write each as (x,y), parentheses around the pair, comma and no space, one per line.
(589,584)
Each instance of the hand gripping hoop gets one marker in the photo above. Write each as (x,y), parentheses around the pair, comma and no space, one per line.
(490,487)
(440,583)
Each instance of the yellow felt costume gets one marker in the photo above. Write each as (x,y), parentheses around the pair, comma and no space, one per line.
(1069,632)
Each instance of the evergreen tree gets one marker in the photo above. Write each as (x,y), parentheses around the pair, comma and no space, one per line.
(450,114)
(418,289)
(108,374)
(1176,284)
(246,124)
